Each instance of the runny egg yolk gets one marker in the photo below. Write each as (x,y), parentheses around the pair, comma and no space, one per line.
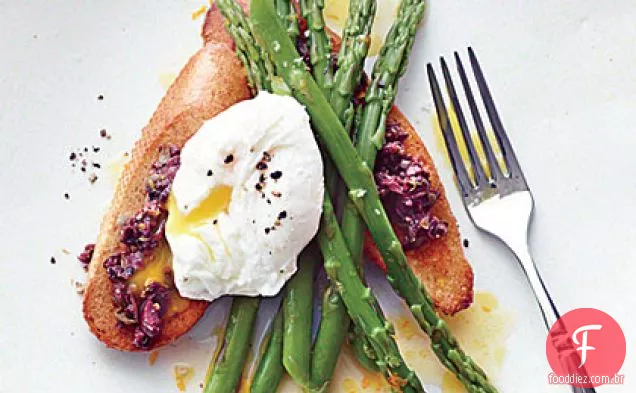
(179,224)
(156,267)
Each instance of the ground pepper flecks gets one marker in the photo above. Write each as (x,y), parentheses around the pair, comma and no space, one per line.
(84,157)
(104,134)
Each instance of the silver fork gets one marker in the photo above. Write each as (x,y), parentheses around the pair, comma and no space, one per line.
(500,204)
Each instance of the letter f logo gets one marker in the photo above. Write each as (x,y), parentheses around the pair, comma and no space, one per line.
(583,344)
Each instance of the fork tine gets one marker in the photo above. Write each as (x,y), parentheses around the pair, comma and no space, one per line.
(478,170)
(449,138)
(495,169)
(504,143)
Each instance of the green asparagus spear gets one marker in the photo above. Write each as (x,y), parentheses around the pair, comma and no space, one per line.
(298,301)
(257,63)
(333,313)
(226,373)
(361,303)
(361,347)
(319,43)
(287,14)
(359,179)
(297,313)
(260,71)
(388,68)
(392,360)
(334,318)
(354,48)
(335,322)
(270,367)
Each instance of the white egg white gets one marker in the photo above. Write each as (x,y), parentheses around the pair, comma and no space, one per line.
(246,200)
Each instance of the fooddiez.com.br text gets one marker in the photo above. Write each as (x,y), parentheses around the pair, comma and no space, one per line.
(570,379)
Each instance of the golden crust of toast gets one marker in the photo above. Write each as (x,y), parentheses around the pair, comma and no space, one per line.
(212,80)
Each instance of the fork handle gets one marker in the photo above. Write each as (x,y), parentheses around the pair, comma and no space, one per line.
(548,309)
(546,305)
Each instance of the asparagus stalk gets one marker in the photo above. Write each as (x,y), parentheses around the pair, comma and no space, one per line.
(287,15)
(298,301)
(260,69)
(335,316)
(297,337)
(297,312)
(334,323)
(319,44)
(362,349)
(270,367)
(388,68)
(227,371)
(359,180)
(361,303)
(354,47)
(392,364)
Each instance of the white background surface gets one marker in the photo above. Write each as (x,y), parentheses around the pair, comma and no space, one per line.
(563,77)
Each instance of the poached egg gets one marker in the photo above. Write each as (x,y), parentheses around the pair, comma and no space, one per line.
(245,201)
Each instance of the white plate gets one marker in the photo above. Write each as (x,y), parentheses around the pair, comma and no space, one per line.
(561,72)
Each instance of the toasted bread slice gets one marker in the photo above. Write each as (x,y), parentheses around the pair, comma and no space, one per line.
(211,81)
